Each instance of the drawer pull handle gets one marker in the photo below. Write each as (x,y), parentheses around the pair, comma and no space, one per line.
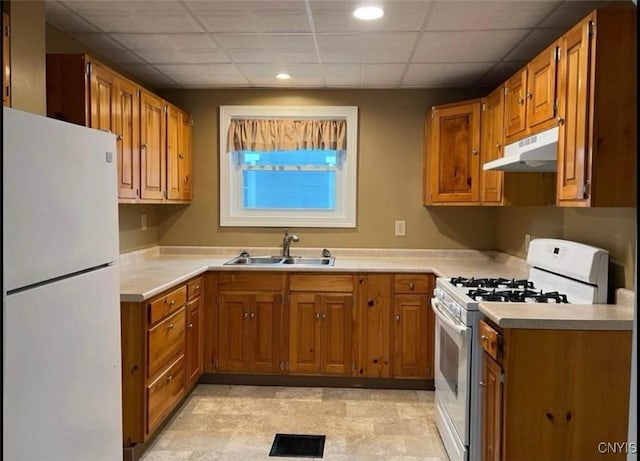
(170,302)
(197,287)
(397,318)
(170,326)
(170,378)
(411,286)
(190,325)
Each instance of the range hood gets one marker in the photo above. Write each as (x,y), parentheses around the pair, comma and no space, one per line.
(537,153)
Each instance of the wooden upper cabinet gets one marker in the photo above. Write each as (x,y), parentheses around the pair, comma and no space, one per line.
(153,159)
(597,146)
(6,61)
(127,130)
(178,154)
(530,96)
(452,163)
(492,146)
(101,97)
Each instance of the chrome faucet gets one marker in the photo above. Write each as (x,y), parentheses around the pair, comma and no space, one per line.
(286,242)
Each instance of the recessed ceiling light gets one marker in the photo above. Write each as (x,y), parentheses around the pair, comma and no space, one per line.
(283,76)
(367,13)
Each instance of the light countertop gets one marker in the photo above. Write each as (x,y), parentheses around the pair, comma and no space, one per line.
(147,273)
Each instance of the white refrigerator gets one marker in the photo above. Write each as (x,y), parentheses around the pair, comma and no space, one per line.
(62,398)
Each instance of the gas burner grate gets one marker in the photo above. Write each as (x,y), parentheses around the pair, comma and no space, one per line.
(491,283)
(517,296)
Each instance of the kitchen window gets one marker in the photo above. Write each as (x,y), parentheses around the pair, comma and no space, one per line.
(288,166)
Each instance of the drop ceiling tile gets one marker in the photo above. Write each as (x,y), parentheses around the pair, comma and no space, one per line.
(341,48)
(264,74)
(488,15)
(442,75)
(240,56)
(107,47)
(171,41)
(145,23)
(203,75)
(570,12)
(150,75)
(382,75)
(265,42)
(97,7)
(533,44)
(472,46)
(342,74)
(392,47)
(337,16)
(70,23)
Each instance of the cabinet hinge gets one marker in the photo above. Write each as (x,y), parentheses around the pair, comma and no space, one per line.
(585,189)
(281,366)
(286,365)
(484,107)
(191,122)
(502,377)
(592,29)
(7,30)
(557,53)
(164,194)
(166,109)
(138,94)
(215,363)
(217,300)
(7,90)
(353,366)
(555,107)
(88,68)
(506,90)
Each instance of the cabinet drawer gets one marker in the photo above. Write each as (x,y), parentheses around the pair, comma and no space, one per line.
(246,281)
(164,393)
(412,283)
(194,288)
(166,341)
(322,283)
(490,339)
(166,304)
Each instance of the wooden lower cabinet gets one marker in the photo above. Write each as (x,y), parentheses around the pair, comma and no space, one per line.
(373,339)
(413,326)
(555,394)
(320,330)
(161,358)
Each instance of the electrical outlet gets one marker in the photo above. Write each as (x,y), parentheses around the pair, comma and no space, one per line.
(143,221)
(401,228)
(527,240)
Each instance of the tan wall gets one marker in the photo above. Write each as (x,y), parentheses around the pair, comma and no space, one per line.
(613,229)
(28,76)
(391,132)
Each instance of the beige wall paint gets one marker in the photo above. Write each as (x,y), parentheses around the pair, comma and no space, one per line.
(391,132)
(28,76)
(613,229)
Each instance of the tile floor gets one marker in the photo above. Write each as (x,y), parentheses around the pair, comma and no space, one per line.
(238,423)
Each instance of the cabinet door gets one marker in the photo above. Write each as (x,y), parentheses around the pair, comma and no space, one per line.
(491,431)
(127,130)
(574,82)
(264,328)
(453,163)
(6,61)
(152,147)
(541,89)
(491,146)
(194,346)
(411,337)
(304,333)
(101,98)
(336,324)
(174,124)
(232,333)
(184,157)
(514,104)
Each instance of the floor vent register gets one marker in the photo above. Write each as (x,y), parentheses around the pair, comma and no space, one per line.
(298,446)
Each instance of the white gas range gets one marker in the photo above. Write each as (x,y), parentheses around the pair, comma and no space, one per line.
(560,272)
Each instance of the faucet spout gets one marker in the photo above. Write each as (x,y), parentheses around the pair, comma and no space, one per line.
(286,242)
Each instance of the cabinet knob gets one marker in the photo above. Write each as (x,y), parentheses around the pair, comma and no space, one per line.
(190,325)
(246,315)
(253,315)
(411,286)
(520,101)
(144,146)
(170,326)
(170,378)
(181,156)
(529,95)
(497,145)
(397,318)
(324,316)
(560,121)
(119,137)
(474,152)
(370,303)
(318,315)
(484,338)
(483,384)
(197,287)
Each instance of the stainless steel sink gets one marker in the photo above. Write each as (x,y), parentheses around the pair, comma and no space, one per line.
(246,260)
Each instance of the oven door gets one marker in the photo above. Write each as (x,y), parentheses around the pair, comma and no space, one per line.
(452,368)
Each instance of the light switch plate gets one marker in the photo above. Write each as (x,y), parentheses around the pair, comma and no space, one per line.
(401,228)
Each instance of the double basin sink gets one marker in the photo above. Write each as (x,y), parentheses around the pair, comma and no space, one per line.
(246,260)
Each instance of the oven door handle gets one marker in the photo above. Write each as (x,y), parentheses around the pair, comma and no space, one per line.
(449,321)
